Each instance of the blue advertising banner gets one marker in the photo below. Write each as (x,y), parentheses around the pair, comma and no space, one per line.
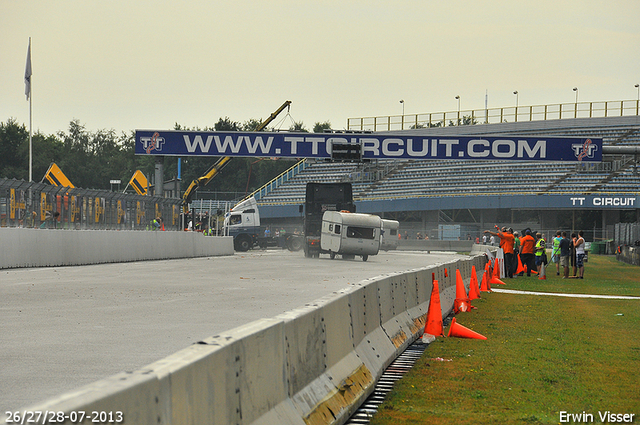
(387,146)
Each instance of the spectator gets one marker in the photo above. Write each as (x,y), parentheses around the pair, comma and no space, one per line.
(516,252)
(527,244)
(492,240)
(484,239)
(565,252)
(540,251)
(506,243)
(579,244)
(574,238)
(555,251)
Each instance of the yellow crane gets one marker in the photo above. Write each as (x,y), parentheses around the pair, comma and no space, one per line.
(219,165)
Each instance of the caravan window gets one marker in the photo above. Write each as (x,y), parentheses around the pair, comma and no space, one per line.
(393,232)
(361,232)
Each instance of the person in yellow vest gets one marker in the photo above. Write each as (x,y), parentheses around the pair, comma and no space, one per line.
(540,251)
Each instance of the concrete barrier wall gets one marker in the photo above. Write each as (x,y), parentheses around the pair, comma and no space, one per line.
(45,248)
(312,365)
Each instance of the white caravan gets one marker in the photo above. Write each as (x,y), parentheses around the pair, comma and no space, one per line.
(350,234)
(389,235)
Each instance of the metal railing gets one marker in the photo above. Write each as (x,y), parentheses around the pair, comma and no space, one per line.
(39,205)
(277,181)
(616,108)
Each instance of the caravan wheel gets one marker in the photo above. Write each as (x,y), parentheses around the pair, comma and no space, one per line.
(365,257)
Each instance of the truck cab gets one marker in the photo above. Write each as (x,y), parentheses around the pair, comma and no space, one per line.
(243,224)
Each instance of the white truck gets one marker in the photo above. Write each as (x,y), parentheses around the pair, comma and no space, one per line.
(243,223)
(350,234)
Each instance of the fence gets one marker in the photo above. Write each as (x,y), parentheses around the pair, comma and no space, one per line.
(627,233)
(558,111)
(30,204)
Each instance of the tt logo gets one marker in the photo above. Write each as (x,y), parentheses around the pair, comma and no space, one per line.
(154,142)
(585,150)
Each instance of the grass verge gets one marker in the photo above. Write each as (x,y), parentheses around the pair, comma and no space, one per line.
(544,355)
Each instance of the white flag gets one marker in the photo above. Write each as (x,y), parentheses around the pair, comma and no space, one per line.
(27,73)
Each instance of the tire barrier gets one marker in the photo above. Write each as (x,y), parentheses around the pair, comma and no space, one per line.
(312,365)
(49,248)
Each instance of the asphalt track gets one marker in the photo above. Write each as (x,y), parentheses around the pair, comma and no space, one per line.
(64,327)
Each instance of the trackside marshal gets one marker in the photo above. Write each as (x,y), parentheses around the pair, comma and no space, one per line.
(387,146)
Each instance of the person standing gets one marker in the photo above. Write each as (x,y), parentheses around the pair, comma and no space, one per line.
(574,238)
(516,252)
(555,251)
(527,244)
(565,252)
(579,244)
(540,251)
(507,241)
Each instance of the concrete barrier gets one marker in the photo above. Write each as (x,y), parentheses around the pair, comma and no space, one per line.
(311,365)
(46,248)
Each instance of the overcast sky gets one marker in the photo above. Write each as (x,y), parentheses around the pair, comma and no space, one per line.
(127,65)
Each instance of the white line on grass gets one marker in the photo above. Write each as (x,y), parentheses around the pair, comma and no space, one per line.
(611,297)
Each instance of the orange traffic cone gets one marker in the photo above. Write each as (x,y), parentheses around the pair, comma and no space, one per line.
(462,301)
(485,286)
(495,279)
(433,327)
(521,268)
(542,275)
(463,332)
(474,289)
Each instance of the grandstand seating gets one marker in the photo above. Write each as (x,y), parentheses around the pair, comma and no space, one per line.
(422,178)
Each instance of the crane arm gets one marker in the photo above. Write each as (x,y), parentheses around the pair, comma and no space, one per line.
(219,165)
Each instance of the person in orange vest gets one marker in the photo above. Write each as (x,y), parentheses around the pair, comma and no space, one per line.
(527,246)
(507,241)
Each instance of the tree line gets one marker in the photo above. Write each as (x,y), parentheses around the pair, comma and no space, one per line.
(91,159)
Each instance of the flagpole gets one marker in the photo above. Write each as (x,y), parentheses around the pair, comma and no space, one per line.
(30,136)
(30,121)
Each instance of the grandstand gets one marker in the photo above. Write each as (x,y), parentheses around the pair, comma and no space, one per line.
(423,194)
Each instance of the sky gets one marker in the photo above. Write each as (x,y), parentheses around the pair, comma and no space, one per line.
(141,64)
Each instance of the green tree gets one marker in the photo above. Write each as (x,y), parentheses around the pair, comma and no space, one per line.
(298,127)
(13,139)
(320,127)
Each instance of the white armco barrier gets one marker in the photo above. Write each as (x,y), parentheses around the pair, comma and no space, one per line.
(47,248)
(312,365)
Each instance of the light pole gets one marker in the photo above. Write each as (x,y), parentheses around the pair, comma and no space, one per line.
(575,112)
(402,125)
(458,99)
(516,93)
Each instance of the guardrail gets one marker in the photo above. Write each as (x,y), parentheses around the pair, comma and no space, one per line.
(557,111)
(39,205)
(312,365)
